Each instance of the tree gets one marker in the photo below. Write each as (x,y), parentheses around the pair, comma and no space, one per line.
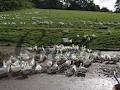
(83,5)
(104,9)
(6,5)
(88,5)
(117,6)
(48,4)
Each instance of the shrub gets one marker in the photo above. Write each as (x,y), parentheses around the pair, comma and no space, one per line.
(6,5)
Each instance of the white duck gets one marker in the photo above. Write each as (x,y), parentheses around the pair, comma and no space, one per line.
(53,69)
(71,71)
(40,57)
(4,70)
(25,56)
(29,48)
(35,48)
(25,66)
(38,68)
(74,67)
(13,59)
(68,62)
(5,66)
(43,49)
(49,63)
(73,57)
(9,62)
(32,63)
(15,67)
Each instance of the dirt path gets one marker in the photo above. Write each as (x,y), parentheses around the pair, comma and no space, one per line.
(94,80)
(57,82)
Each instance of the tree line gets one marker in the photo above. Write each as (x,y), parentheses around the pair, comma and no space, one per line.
(85,5)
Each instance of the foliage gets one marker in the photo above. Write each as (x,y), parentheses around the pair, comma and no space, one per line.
(88,5)
(6,5)
(83,5)
(117,6)
(51,4)
(104,9)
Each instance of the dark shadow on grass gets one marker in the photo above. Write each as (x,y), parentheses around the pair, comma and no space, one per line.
(22,38)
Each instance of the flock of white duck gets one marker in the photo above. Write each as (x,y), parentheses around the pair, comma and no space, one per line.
(58,59)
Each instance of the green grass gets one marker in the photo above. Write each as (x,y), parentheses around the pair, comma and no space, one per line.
(47,27)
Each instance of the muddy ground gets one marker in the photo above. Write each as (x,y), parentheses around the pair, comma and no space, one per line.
(95,80)
(98,77)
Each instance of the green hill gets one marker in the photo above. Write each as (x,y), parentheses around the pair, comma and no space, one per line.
(48,27)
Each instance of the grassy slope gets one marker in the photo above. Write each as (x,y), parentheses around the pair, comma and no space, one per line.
(44,27)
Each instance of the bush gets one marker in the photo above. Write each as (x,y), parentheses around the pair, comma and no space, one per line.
(6,5)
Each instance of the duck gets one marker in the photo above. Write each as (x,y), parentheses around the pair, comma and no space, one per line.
(68,62)
(46,65)
(53,69)
(25,55)
(28,65)
(42,58)
(15,67)
(43,49)
(70,72)
(30,49)
(57,57)
(49,63)
(13,59)
(65,66)
(38,68)
(5,67)
(73,57)
(35,48)
(32,62)
(25,65)
(9,62)
(4,70)
(75,47)
(81,71)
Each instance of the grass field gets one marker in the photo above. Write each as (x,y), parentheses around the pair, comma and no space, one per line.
(48,27)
